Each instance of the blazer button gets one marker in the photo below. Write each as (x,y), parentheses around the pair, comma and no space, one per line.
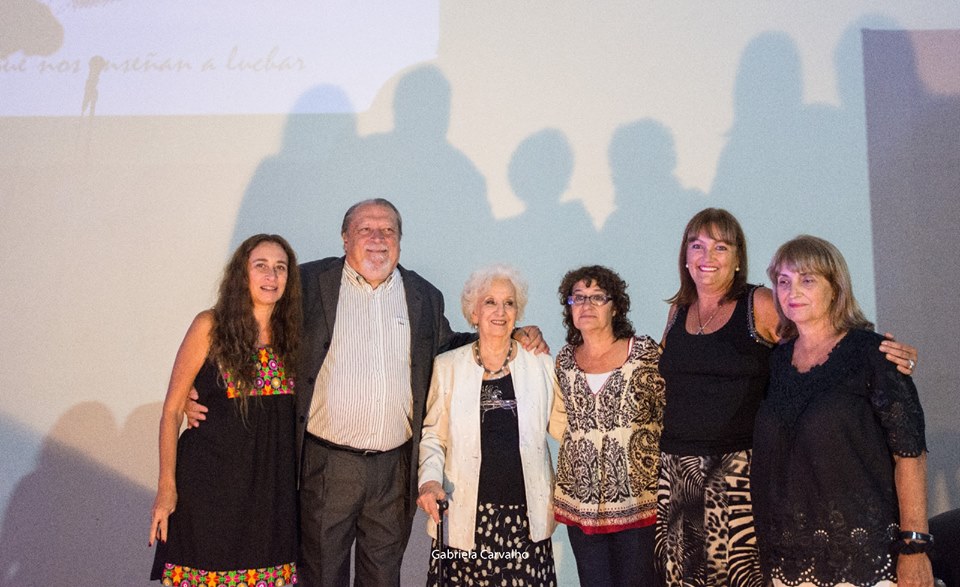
(311,380)
(303,419)
(326,345)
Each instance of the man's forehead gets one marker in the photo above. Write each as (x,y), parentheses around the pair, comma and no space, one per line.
(374,212)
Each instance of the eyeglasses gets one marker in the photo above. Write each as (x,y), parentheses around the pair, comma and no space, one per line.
(595,299)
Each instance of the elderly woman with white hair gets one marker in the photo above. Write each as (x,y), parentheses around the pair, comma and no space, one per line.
(484,445)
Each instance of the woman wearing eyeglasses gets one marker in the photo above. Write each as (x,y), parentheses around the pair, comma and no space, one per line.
(607,417)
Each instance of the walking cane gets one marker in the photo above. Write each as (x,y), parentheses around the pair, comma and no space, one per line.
(438,544)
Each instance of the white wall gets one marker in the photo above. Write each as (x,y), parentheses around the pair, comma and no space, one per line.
(543,134)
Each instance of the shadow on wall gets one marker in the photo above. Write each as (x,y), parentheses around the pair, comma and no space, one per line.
(29,26)
(913,115)
(74,521)
(791,167)
(323,167)
(652,209)
(788,167)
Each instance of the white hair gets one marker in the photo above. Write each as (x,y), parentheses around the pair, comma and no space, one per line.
(480,281)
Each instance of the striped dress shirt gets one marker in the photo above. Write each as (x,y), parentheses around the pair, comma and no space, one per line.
(362,396)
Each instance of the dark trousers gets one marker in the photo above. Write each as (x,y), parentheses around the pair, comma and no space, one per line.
(345,498)
(619,559)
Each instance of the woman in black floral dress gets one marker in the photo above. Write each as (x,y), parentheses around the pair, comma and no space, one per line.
(226,506)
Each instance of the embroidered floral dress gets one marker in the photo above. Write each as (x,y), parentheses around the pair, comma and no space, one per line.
(607,467)
(236,518)
(823,473)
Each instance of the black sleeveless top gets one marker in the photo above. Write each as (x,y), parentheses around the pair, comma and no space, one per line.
(715,383)
(501,469)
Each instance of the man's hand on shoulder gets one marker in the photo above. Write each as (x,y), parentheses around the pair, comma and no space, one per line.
(531,339)
(195,412)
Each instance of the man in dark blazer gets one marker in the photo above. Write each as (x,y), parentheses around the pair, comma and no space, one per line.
(357,458)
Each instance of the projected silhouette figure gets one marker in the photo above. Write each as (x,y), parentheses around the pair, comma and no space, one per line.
(91,92)
(550,237)
(303,190)
(652,207)
(447,219)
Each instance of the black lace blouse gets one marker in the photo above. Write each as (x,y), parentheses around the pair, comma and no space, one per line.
(823,489)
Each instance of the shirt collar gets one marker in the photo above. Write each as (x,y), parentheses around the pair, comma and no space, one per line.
(350,275)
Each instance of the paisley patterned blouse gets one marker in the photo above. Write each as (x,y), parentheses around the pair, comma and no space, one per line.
(609,452)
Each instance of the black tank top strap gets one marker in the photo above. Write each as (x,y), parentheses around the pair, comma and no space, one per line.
(751,318)
(680,313)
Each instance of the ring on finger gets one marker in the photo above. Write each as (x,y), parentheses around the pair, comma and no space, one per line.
(911,364)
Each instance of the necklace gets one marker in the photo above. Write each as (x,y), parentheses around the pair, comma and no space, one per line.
(502,369)
(702,325)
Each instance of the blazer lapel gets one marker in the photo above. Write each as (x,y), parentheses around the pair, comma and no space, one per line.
(414,307)
(330,293)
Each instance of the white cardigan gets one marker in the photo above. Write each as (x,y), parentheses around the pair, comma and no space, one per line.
(450,446)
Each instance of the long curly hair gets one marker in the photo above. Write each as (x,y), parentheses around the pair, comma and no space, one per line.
(235,334)
(609,281)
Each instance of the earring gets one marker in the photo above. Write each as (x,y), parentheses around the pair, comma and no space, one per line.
(687,265)
(737,269)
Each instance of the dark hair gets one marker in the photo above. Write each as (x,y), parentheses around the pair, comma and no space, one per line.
(609,281)
(348,216)
(720,225)
(809,254)
(235,330)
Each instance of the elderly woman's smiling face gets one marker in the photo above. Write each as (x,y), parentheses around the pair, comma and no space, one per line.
(495,313)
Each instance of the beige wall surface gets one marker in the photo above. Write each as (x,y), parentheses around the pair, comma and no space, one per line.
(544,134)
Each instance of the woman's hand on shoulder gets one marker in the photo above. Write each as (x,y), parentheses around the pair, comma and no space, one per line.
(163,506)
(900,354)
(430,493)
(765,316)
(914,570)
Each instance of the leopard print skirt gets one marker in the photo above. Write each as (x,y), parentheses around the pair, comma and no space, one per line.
(705,534)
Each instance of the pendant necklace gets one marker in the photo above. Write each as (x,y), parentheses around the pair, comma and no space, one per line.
(703,325)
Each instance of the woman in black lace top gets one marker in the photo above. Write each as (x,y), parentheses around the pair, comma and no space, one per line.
(839,461)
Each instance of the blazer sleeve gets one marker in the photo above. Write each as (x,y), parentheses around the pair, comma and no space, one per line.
(436,427)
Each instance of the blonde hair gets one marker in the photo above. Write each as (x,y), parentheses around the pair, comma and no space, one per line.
(810,254)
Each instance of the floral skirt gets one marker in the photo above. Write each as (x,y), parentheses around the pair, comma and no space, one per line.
(503,553)
(278,576)
(705,533)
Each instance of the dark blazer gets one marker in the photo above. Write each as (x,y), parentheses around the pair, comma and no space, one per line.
(430,335)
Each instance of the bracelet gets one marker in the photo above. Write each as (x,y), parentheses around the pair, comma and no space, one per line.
(910,535)
(910,542)
(901,547)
